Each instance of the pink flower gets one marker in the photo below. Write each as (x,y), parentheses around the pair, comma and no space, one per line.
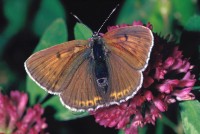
(15,119)
(167,79)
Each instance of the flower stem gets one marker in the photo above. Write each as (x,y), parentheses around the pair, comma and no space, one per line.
(168,122)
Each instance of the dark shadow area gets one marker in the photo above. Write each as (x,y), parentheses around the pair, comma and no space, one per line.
(189,43)
(86,125)
(2,18)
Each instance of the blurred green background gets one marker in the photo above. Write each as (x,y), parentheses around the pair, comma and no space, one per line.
(31,25)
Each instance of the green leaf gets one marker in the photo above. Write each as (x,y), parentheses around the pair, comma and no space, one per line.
(145,11)
(63,113)
(196,88)
(193,24)
(55,34)
(142,130)
(15,12)
(49,10)
(190,115)
(7,77)
(159,127)
(165,121)
(161,14)
(133,10)
(81,31)
(121,131)
(183,10)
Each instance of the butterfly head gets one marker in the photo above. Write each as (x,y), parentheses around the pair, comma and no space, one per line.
(96,35)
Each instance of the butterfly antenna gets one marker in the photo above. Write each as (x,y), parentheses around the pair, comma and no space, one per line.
(108,18)
(79,20)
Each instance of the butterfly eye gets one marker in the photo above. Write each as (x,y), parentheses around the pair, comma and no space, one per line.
(95,35)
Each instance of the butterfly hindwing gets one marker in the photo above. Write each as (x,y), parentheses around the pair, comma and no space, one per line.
(124,80)
(54,67)
(82,93)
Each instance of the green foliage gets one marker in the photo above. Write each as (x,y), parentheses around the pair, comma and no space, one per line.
(183,10)
(193,24)
(121,132)
(190,115)
(81,31)
(63,113)
(15,11)
(162,14)
(7,76)
(142,130)
(159,127)
(49,11)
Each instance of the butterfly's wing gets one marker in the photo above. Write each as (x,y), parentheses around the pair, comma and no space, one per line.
(132,43)
(130,49)
(54,66)
(82,93)
(65,69)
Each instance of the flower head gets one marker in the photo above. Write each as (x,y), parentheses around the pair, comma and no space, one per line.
(15,119)
(167,79)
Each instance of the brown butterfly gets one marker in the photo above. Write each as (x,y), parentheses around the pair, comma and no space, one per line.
(89,74)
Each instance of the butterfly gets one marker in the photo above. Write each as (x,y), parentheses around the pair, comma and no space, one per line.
(89,74)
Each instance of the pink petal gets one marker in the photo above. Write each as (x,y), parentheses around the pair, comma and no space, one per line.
(160,73)
(177,64)
(21,100)
(185,67)
(12,116)
(182,92)
(188,76)
(165,88)
(187,83)
(168,62)
(176,53)
(133,129)
(173,82)
(160,105)
(189,96)
(154,112)
(148,94)
(122,123)
(149,25)
(147,81)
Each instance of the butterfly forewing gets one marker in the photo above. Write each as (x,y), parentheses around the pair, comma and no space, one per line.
(54,67)
(132,43)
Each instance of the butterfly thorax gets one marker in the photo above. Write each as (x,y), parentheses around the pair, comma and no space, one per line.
(100,65)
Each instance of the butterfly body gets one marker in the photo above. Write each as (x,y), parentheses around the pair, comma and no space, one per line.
(99,59)
(101,71)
